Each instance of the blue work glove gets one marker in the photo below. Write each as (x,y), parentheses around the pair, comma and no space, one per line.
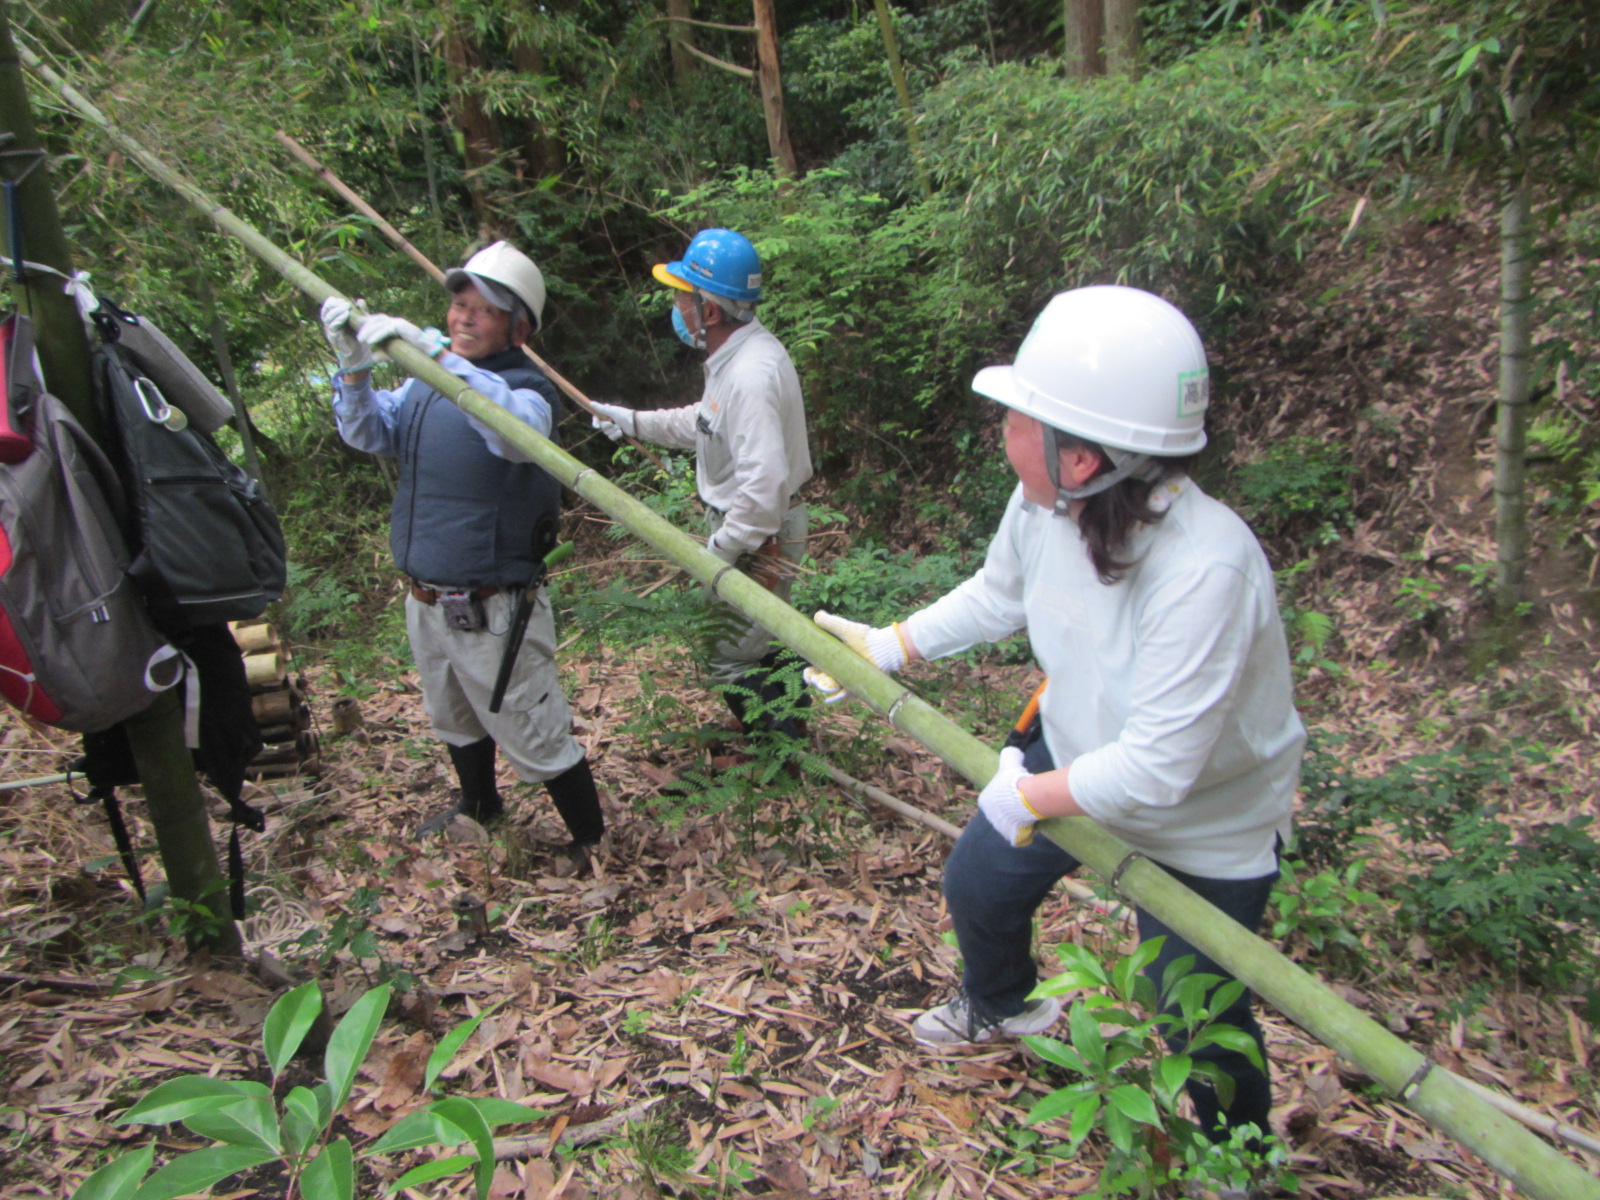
(1003,804)
(353,356)
(380,327)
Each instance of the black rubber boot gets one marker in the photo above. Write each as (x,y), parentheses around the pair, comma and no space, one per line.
(578,803)
(773,690)
(480,798)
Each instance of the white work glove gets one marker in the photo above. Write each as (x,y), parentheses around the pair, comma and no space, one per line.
(883,648)
(380,327)
(1003,804)
(726,554)
(613,420)
(353,356)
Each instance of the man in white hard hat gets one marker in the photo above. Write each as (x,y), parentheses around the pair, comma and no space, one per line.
(1168,715)
(748,432)
(471,524)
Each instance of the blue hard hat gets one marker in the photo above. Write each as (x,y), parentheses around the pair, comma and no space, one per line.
(718,261)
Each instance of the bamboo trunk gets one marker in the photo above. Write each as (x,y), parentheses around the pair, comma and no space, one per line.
(1540,1171)
(1511,432)
(897,71)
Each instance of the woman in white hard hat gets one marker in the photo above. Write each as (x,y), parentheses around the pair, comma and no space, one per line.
(471,523)
(1151,608)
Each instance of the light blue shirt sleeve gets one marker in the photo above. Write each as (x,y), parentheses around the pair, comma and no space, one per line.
(367,415)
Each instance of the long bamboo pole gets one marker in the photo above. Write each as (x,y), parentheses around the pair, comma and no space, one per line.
(1433,1092)
(312,164)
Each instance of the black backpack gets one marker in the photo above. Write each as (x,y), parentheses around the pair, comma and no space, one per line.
(207,545)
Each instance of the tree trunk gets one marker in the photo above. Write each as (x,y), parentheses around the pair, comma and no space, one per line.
(902,89)
(542,152)
(1085,32)
(479,145)
(1122,36)
(172,793)
(682,35)
(772,88)
(425,131)
(1510,491)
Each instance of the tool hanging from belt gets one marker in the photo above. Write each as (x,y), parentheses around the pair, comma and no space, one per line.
(1026,731)
(519,622)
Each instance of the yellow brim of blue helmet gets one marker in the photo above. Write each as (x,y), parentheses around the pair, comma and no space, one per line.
(663,275)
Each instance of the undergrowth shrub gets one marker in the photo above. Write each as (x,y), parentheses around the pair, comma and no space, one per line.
(1300,489)
(1463,879)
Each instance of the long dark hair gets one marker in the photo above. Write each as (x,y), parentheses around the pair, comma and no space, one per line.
(1108,519)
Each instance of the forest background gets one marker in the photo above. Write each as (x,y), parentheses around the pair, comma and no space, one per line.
(1318,185)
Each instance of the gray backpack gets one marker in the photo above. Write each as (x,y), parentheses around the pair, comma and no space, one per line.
(77,648)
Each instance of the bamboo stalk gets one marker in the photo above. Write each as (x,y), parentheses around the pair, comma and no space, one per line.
(1438,1096)
(422,260)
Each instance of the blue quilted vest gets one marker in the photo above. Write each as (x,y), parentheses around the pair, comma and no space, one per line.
(463,516)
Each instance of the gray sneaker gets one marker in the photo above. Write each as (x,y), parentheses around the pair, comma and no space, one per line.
(956,1023)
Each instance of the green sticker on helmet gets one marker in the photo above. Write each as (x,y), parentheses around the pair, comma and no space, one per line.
(1194,393)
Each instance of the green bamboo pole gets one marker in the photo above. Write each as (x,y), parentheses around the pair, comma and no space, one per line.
(897,72)
(1438,1096)
(165,766)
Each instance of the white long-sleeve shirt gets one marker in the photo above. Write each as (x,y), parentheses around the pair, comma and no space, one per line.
(748,432)
(1169,699)
(366,415)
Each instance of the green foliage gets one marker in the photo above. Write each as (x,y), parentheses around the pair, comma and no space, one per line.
(1130,1083)
(1328,909)
(1300,488)
(875,586)
(350,937)
(1465,881)
(249,1126)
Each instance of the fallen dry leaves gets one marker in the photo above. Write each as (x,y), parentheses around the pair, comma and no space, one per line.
(746,995)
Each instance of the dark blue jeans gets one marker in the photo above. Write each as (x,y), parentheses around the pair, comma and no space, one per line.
(993,888)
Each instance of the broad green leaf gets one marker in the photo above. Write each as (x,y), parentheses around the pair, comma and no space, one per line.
(118,1179)
(1225,996)
(437,1169)
(447,1047)
(1058,1103)
(1228,1038)
(331,1175)
(1083,1118)
(461,1112)
(1119,1128)
(291,1017)
(1135,1102)
(1086,1037)
(1173,1072)
(251,1121)
(302,1120)
(350,1041)
(197,1171)
(497,1112)
(178,1098)
(421,1128)
(1056,1051)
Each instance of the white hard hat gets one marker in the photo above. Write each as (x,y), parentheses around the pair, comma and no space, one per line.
(1112,365)
(503,264)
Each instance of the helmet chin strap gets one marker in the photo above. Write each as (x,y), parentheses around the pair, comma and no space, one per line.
(1124,464)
